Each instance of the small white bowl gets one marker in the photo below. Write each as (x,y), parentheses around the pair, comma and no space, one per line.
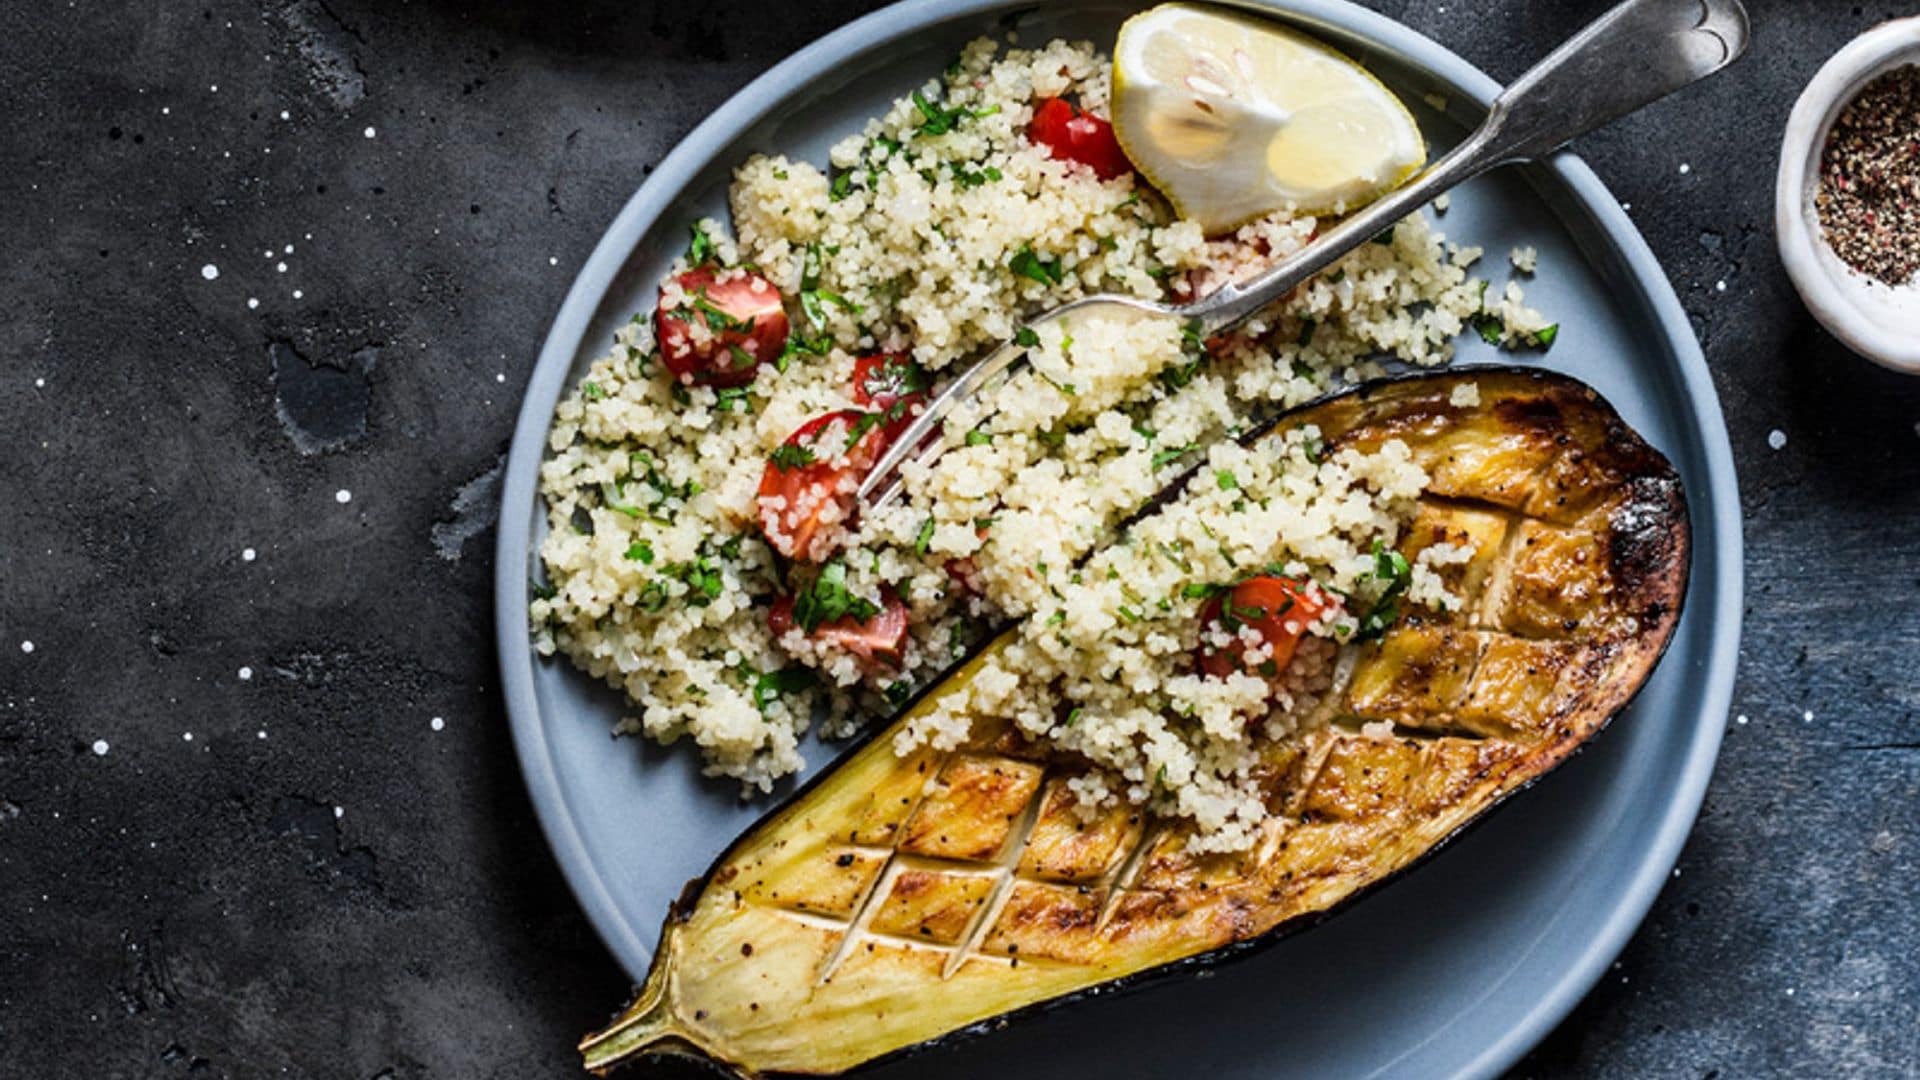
(1878,321)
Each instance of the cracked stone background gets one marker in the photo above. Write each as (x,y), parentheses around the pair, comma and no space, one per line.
(322,881)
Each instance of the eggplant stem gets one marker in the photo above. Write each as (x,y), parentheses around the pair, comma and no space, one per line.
(649,1026)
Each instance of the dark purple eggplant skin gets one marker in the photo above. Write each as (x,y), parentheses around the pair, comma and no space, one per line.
(1660,550)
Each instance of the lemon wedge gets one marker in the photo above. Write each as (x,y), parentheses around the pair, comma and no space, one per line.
(1233,118)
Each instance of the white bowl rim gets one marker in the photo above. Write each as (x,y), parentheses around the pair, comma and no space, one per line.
(1842,299)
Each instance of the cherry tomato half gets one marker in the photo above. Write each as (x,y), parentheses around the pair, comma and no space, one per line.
(809,482)
(878,639)
(720,327)
(890,384)
(1072,135)
(1277,609)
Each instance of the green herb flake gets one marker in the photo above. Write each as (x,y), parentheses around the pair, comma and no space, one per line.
(1170,454)
(977,437)
(1029,264)
(700,249)
(925,538)
(828,599)
(1225,479)
(789,456)
(592,391)
(1392,568)
(641,550)
(770,686)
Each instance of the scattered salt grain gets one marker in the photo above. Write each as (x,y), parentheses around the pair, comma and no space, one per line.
(263,734)
(252,303)
(1807,716)
(1777,439)
(437,723)
(209,271)
(1720,286)
(1685,168)
(343,496)
(186,736)
(369,133)
(280,268)
(339,812)
(249,555)
(246,674)
(42,383)
(26,646)
(1741,719)
(284,115)
(552,261)
(100,747)
(297,294)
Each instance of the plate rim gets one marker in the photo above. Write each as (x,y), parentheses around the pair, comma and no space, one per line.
(748,105)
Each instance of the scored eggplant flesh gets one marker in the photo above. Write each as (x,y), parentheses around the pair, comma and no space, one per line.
(896,900)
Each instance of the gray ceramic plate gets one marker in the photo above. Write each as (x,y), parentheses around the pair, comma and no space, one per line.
(1458,968)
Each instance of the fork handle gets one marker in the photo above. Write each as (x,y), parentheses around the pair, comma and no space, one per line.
(1635,54)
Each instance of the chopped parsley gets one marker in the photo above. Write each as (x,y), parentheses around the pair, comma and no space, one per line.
(800,345)
(1026,338)
(700,249)
(973,179)
(1226,479)
(1170,454)
(813,299)
(925,537)
(1029,264)
(789,456)
(828,599)
(1392,568)
(703,579)
(641,550)
(592,391)
(977,437)
(770,686)
(935,120)
(867,422)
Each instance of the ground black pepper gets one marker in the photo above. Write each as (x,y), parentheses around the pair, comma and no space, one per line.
(1869,196)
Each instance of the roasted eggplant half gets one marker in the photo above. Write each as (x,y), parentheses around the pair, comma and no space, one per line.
(899,899)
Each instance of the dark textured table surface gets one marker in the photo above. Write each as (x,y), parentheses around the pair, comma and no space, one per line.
(273,278)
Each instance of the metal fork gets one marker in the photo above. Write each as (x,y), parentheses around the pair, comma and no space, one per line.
(1635,54)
